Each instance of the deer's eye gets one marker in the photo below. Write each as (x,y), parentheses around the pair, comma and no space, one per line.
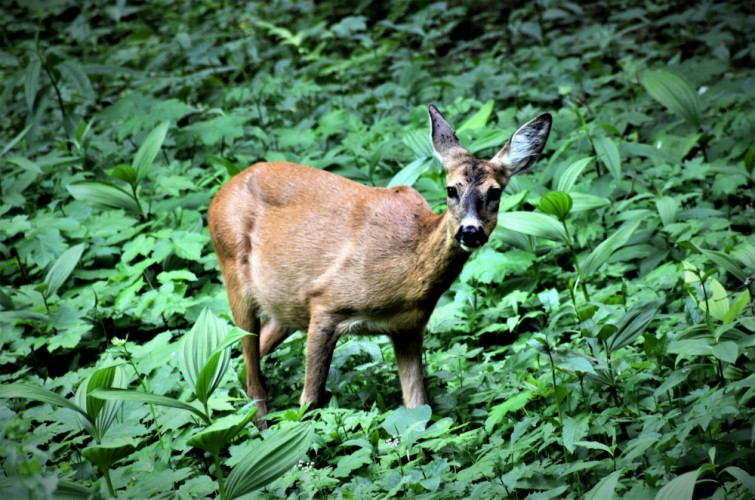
(494,195)
(452,193)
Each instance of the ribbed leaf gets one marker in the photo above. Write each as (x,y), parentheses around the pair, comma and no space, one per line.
(147,152)
(717,301)
(77,78)
(62,268)
(583,202)
(408,175)
(103,195)
(675,93)
(145,397)
(556,203)
(667,209)
(572,173)
(497,412)
(533,224)
(601,253)
(10,144)
(269,460)
(36,393)
(632,325)
(743,477)
(214,437)
(608,154)
(420,143)
(105,455)
(479,119)
(199,345)
(720,258)
(737,307)
(206,377)
(605,488)
(68,490)
(101,412)
(679,488)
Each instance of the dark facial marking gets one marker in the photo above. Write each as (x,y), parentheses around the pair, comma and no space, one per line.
(473,174)
(473,201)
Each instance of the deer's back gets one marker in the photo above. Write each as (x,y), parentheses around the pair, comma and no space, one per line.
(300,236)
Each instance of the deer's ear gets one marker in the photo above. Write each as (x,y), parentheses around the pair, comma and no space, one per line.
(444,139)
(525,146)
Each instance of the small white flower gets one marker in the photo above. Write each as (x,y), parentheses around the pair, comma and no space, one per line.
(394,441)
(118,342)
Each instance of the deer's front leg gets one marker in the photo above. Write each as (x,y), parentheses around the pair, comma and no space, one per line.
(321,341)
(408,349)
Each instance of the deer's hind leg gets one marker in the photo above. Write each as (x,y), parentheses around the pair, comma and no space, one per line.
(246,317)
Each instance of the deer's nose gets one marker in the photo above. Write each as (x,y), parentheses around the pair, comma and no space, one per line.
(471,236)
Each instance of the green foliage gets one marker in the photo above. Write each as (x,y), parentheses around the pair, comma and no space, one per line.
(600,345)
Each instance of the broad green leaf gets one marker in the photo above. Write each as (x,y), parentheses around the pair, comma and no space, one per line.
(572,173)
(199,346)
(349,463)
(717,302)
(103,195)
(397,422)
(69,490)
(106,454)
(219,161)
(675,93)
(420,143)
(147,152)
(36,393)
(14,141)
(584,202)
(101,412)
(574,430)
(534,224)
(743,477)
(514,403)
(408,175)
(594,445)
(74,73)
(745,382)
(606,487)
(602,252)
(62,268)
(724,260)
(31,82)
(726,351)
(556,203)
(737,306)
(667,209)
(125,173)
(577,364)
(632,325)
(269,460)
(608,154)
(145,397)
(749,159)
(479,119)
(679,488)
(205,386)
(215,437)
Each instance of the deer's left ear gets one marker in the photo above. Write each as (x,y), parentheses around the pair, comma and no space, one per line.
(443,137)
(525,146)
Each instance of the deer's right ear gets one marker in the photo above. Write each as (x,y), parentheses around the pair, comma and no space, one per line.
(525,146)
(444,139)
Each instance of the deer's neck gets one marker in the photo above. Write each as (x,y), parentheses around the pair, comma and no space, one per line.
(440,258)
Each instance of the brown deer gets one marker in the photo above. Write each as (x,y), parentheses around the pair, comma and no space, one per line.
(302,248)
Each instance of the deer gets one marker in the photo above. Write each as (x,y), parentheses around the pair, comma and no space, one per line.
(302,248)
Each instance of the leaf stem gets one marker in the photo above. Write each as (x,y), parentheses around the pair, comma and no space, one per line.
(219,475)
